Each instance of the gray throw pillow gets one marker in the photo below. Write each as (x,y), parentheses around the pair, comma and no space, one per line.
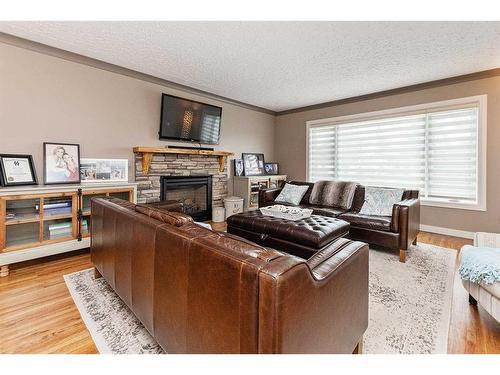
(379,201)
(291,194)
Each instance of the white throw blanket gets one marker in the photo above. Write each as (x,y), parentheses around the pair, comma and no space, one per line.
(480,264)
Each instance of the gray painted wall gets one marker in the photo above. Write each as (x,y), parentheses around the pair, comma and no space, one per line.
(291,146)
(46,98)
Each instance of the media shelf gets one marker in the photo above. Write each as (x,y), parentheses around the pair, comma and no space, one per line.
(248,188)
(47,220)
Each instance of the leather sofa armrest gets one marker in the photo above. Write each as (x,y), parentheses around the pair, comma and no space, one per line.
(315,306)
(327,261)
(267,196)
(406,221)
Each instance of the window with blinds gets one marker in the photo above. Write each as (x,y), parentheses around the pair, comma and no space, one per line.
(434,151)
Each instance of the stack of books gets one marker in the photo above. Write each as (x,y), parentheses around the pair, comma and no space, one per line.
(56,208)
(63,229)
(58,230)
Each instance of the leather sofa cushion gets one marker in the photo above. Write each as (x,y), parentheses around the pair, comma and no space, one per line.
(173,218)
(168,205)
(315,231)
(327,211)
(120,202)
(369,222)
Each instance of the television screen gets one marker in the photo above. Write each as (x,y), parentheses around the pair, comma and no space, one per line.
(187,120)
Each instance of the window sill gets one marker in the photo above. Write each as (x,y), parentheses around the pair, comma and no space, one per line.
(475,206)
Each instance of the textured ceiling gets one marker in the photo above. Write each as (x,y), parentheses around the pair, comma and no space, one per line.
(280,65)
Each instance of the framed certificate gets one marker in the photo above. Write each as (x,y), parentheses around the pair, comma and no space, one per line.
(16,170)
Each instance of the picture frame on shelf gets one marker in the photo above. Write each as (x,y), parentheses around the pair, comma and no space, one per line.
(253,164)
(103,170)
(61,163)
(17,170)
(238,167)
(271,168)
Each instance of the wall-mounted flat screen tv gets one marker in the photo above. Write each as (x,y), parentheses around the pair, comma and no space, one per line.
(187,120)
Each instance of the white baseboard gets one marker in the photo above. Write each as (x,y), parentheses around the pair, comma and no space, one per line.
(447,231)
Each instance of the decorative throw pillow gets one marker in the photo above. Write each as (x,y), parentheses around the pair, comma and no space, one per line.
(339,194)
(291,194)
(379,201)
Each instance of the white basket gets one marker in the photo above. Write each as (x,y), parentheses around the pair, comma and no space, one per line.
(285,212)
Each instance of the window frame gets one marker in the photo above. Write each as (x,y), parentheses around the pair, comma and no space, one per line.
(479,100)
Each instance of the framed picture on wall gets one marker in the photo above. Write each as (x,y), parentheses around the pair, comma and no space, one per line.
(61,163)
(253,164)
(103,170)
(17,170)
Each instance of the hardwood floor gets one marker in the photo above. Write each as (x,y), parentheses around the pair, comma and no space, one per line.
(37,314)
(472,329)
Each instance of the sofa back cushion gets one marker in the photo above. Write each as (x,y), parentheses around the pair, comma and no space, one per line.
(338,194)
(359,198)
(173,218)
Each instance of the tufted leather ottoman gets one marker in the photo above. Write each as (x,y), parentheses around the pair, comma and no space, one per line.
(302,238)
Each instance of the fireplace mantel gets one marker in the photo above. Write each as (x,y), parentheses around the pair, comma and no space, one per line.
(147,154)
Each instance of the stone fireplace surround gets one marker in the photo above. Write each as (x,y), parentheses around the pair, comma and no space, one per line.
(148,188)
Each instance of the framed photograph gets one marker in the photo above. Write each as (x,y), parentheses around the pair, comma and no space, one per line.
(238,167)
(103,170)
(271,168)
(253,164)
(17,170)
(61,163)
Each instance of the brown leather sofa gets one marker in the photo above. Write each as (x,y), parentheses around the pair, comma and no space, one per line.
(200,291)
(396,232)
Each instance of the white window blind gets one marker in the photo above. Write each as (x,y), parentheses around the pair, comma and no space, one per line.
(434,151)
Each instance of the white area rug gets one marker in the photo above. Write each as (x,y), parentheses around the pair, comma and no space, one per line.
(410,303)
(113,327)
(410,306)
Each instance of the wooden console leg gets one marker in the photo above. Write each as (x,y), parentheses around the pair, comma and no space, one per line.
(4,270)
(97,274)
(402,256)
(472,300)
(359,348)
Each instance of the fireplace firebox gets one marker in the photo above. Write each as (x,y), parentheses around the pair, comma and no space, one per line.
(195,192)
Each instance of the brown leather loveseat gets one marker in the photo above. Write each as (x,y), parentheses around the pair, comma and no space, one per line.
(200,291)
(396,232)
